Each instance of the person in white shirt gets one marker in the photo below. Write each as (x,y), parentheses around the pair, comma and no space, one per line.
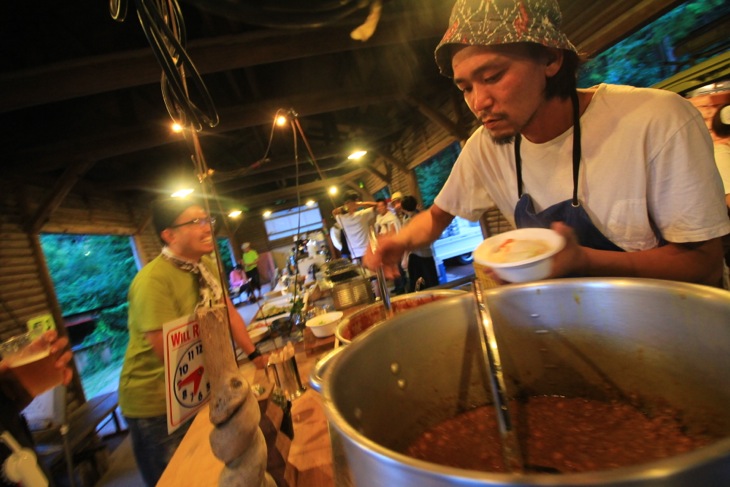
(721,127)
(355,218)
(385,221)
(626,175)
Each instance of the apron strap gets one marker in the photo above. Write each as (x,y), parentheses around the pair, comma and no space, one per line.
(576,151)
(576,145)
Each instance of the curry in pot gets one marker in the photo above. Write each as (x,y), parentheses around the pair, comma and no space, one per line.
(568,434)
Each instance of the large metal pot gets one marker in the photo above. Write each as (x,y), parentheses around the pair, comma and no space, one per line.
(362,319)
(669,342)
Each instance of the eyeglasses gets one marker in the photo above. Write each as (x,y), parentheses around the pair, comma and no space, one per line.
(203,222)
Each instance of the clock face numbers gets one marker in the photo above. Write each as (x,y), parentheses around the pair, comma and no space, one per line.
(191,384)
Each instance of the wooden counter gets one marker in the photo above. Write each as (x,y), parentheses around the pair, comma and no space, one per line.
(309,459)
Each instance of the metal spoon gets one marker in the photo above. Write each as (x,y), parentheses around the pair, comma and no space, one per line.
(511,451)
(382,283)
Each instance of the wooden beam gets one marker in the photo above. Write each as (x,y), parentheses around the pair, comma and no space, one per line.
(378,174)
(67,181)
(309,189)
(101,74)
(256,180)
(115,142)
(390,159)
(438,118)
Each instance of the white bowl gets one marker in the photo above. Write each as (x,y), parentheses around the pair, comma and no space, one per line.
(324,325)
(532,268)
(258,333)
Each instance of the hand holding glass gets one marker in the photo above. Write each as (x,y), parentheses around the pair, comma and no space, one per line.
(32,357)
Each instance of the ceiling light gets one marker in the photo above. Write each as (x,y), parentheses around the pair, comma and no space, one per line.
(177,128)
(309,203)
(333,190)
(267,213)
(281,120)
(181,193)
(357,154)
(235,213)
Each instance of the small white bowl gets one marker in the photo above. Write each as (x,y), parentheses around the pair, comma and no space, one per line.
(324,325)
(529,269)
(257,334)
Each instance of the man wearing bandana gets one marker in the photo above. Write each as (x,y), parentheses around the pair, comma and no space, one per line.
(625,174)
(171,286)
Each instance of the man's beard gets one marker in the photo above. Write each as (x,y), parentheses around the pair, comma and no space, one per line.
(499,139)
(503,140)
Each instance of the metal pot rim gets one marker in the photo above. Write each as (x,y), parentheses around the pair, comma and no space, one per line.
(342,325)
(695,459)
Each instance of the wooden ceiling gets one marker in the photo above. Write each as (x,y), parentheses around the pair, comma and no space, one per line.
(81,103)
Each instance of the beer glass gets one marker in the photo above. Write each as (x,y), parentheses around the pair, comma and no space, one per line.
(30,360)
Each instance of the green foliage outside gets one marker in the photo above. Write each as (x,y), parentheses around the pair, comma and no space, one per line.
(93,273)
(105,348)
(224,248)
(648,56)
(89,271)
(432,174)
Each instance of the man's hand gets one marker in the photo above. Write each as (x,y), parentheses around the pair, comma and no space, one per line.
(261,361)
(59,349)
(388,254)
(572,259)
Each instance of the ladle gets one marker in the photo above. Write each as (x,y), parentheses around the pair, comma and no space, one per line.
(511,450)
(382,283)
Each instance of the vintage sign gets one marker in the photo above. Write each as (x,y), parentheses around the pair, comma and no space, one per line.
(187,386)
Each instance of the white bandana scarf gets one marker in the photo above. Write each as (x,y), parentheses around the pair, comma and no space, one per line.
(208,286)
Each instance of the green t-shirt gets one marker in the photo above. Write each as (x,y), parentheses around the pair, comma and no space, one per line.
(159,293)
(249,260)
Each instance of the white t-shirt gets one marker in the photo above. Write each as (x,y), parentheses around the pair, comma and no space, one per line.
(387,223)
(357,230)
(646,160)
(722,159)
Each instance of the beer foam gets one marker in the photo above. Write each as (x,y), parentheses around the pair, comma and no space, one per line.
(24,359)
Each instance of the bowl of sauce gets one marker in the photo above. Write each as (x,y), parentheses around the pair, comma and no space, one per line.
(520,255)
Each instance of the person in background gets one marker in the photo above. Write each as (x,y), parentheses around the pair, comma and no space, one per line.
(420,262)
(337,240)
(251,267)
(355,218)
(238,281)
(721,127)
(169,287)
(14,398)
(616,170)
(386,223)
(396,200)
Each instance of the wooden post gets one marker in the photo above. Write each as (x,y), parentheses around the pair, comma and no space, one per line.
(236,438)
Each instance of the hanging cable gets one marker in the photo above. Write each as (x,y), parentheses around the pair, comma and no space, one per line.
(163,26)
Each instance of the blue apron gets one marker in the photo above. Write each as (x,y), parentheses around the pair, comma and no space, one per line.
(570,211)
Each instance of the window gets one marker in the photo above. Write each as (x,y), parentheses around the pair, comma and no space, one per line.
(293,221)
(228,258)
(432,174)
(91,275)
(461,237)
(662,48)
(384,193)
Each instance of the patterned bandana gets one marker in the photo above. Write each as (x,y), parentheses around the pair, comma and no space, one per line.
(208,286)
(491,22)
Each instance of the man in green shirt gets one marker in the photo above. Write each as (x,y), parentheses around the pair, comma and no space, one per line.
(250,266)
(168,288)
